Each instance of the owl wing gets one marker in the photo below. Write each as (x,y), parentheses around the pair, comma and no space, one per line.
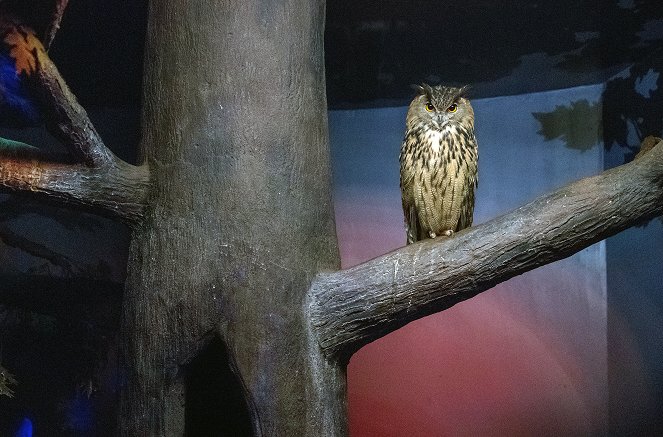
(467,204)
(466,211)
(412,224)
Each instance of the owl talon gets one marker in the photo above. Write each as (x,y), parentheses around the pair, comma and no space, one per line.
(447,233)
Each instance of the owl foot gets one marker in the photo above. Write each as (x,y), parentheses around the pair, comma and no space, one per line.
(447,233)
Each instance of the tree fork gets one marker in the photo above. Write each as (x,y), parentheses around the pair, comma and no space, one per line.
(239,218)
(89,175)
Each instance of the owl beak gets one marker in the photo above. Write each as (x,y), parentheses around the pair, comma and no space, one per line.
(440,120)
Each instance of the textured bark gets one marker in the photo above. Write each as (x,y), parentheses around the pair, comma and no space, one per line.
(59,7)
(116,189)
(240,217)
(353,307)
(67,119)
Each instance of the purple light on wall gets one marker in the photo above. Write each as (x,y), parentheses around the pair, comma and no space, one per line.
(79,414)
(24,429)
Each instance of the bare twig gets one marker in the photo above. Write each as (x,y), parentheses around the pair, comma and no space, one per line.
(54,25)
(10,238)
(352,307)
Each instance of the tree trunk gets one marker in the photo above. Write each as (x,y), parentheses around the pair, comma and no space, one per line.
(239,217)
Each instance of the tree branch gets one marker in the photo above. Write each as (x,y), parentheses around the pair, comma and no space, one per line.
(91,175)
(66,118)
(353,307)
(54,25)
(116,189)
(44,16)
(13,239)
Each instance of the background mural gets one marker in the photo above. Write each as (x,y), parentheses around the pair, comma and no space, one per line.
(527,358)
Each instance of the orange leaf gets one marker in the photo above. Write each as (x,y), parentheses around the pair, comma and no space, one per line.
(25,49)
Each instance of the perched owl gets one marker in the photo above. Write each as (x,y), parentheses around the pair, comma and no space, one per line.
(438,163)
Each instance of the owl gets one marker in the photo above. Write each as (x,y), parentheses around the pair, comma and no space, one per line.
(438,159)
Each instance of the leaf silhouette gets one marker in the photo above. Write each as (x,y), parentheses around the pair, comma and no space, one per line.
(578,125)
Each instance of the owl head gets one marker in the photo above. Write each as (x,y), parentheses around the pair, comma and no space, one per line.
(439,106)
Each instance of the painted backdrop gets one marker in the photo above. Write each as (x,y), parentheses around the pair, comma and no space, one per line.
(529,357)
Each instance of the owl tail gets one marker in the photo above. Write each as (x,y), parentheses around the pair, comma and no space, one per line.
(412,226)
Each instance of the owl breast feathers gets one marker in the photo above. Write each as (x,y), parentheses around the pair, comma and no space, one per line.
(438,161)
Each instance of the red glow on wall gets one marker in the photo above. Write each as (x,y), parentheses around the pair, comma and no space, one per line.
(471,370)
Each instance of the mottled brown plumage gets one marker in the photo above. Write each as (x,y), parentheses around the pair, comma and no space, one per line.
(438,163)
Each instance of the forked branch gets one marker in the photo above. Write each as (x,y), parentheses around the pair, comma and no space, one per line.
(353,307)
(90,174)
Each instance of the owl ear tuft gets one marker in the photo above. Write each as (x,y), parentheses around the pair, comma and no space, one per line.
(465,91)
(424,89)
(418,88)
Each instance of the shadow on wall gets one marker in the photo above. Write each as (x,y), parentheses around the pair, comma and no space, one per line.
(631,108)
(578,125)
(578,43)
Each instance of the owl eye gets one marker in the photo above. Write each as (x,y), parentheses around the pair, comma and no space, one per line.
(452,108)
(429,107)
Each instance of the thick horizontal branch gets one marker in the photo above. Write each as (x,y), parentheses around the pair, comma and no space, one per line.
(353,307)
(115,189)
